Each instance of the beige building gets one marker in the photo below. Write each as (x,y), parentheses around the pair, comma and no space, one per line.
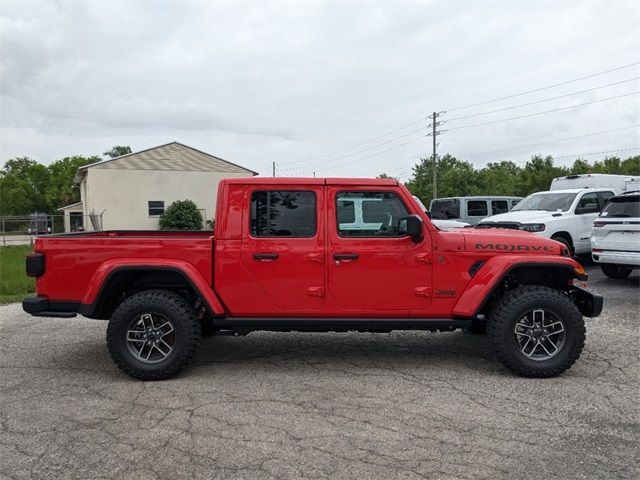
(130,192)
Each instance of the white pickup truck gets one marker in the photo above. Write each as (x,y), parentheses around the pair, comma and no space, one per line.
(567,211)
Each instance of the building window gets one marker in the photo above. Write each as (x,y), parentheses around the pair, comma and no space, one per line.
(156,208)
(283,213)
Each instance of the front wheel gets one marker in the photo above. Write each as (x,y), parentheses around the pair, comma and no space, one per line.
(536,331)
(619,272)
(153,335)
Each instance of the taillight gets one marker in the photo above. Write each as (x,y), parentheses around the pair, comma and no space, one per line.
(35,264)
(598,224)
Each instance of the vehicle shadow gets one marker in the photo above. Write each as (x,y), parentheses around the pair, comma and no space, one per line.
(339,351)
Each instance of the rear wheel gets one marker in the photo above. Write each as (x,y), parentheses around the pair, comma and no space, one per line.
(536,331)
(153,335)
(615,271)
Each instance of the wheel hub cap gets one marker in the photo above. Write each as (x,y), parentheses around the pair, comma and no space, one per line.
(150,337)
(539,335)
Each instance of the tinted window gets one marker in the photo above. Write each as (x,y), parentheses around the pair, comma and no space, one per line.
(445,209)
(155,208)
(477,208)
(624,206)
(588,199)
(369,214)
(499,206)
(514,203)
(281,213)
(604,198)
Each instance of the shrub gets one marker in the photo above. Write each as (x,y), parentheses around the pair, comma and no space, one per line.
(181,215)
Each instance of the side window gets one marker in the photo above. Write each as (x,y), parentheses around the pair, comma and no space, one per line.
(283,213)
(604,198)
(445,209)
(369,214)
(587,200)
(514,203)
(155,208)
(499,206)
(477,208)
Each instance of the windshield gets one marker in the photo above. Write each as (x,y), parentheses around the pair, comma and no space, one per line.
(550,202)
(622,207)
(445,209)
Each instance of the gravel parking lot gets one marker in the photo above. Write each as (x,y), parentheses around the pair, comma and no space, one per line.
(304,405)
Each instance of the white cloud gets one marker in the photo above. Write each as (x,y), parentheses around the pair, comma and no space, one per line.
(256,83)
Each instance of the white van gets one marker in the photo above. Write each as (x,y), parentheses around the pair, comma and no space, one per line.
(566,214)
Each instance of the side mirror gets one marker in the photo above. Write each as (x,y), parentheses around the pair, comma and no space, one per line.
(589,208)
(411,226)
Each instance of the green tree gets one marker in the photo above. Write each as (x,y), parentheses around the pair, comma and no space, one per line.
(117,151)
(499,178)
(537,175)
(23,183)
(61,190)
(455,178)
(631,166)
(181,215)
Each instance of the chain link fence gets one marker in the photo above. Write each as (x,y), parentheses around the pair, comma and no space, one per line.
(22,229)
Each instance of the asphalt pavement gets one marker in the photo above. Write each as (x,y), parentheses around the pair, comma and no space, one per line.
(403,405)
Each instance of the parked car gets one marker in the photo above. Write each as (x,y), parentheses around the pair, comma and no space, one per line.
(615,243)
(566,216)
(470,210)
(437,222)
(291,254)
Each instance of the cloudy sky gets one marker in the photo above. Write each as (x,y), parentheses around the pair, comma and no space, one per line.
(335,88)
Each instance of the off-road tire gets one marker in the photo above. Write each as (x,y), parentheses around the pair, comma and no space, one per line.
(511,307)
(173,307)
(619,272)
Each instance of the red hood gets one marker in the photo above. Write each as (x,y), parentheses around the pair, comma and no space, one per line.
(508,241)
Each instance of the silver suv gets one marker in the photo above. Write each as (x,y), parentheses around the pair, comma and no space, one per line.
(615,241)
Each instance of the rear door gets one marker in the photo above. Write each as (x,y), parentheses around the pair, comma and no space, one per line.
(283,245)
(584,222)
(371,268)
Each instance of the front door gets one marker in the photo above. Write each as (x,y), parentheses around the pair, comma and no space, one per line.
(372,268)
(283,246)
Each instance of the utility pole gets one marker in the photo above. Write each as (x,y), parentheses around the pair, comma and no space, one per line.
(434,133)
(274,169)
(435,158)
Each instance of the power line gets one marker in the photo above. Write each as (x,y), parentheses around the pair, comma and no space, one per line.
(377,153)
(573,155)
(357,144)
(544,100)
(517,147)
(543,88)
(305,167)
(577,155)
(541,113)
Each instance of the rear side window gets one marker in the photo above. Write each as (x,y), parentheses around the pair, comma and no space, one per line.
(604,198)
(499,206)
(445,209)
(477,208)
(369,214)
(283,213)
(623,207)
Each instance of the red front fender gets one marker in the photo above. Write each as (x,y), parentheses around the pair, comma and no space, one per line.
(494,271)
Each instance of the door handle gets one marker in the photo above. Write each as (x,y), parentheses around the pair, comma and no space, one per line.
(345,256)
(265,256)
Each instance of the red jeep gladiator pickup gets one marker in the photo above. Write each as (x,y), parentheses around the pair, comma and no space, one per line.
(294,254)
